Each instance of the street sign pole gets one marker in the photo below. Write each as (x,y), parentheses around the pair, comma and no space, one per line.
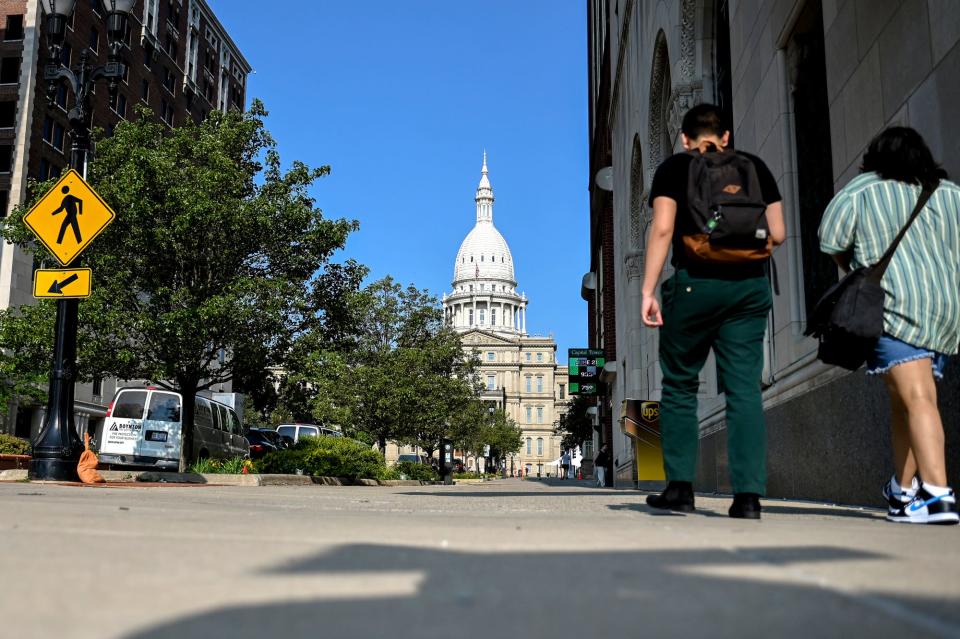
(57,448)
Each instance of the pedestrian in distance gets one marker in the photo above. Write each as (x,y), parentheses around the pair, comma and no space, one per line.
(720,210)
(600,463)
(921,314)
(565,464)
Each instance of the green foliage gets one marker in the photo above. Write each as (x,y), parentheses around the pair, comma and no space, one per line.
(10,445)
(477,426)
(216,251)
(575,426)
(24,367)
(326,457)
(412,470)
(468,475)
(232,466)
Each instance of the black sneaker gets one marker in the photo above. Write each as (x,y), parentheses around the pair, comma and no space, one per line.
(927,509)
(745,506)
(895,501)
(677,497)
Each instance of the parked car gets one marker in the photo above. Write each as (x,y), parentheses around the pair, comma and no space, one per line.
(416,459)
(143,428)
(296,432)
(260,442)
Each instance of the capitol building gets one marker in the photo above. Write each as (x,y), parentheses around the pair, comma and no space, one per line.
(519,371)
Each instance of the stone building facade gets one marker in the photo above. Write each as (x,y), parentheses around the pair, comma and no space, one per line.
(807,84)
(519,371)
(182,64)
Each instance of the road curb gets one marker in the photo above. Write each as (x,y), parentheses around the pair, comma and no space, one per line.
(218,479)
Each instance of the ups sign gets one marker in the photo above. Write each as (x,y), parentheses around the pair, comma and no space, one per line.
(650,412)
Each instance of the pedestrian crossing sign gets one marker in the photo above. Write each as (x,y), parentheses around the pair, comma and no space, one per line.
(69,217)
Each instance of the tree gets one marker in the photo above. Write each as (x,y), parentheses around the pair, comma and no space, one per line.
(217,260)
(576,426)
(24,367)
(408,371)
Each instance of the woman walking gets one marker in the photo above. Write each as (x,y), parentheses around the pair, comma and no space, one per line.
(921,310)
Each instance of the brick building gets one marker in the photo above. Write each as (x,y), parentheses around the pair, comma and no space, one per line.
(182,64)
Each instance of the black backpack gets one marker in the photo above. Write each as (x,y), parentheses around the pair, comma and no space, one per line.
(726,203)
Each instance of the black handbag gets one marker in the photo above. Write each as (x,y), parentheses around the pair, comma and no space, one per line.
(848,319)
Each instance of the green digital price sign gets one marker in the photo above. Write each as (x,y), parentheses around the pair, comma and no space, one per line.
(584,366)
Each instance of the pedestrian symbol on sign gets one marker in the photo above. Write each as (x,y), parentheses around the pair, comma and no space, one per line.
(68,217)
(72,207)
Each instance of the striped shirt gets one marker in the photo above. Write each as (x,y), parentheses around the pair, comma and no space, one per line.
(922,284)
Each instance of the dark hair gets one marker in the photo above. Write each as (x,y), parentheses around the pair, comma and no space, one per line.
(703,119)
(899,153)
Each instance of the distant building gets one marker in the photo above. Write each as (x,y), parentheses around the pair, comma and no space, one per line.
(807,84)
(181,63)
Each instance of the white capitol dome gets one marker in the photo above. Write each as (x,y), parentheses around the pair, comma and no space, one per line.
(484,286)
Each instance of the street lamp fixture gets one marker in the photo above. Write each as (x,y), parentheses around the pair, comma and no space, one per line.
(57,447)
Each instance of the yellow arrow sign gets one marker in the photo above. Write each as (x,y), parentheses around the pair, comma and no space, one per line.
(68,218)
(61,283)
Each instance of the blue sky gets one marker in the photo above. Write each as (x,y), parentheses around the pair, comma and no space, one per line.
(401,99)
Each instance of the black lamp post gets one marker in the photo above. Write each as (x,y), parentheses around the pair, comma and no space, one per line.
(57,447)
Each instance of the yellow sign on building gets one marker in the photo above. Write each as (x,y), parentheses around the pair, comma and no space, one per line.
(62,283)
(68,218)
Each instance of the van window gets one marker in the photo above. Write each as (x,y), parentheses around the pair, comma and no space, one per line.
(233,423)
(309,431)
(221,411)
(164,407)
(130,405)
(288,431)
(204,416)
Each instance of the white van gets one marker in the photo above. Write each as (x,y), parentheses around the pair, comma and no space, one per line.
(296,432)
(142,428)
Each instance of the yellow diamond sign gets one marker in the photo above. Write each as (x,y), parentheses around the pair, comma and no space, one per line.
(68,218)
(62,283)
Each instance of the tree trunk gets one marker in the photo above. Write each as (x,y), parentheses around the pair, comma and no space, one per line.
(189,393)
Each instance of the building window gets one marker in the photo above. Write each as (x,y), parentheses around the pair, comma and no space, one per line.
(808,78)
(4,203)
(470,316)
(493,317)
(529,415)
(119,104)
(53,133)
(563,391)
(145,90)
(10,71)
(539,383)
(483,314)
(6,154)
(491,382)
(529,357)
(147,57)
(14,30)
(98,386)
(529,445)
(539,414)
(94,39)
(61,97)
(8,115)
(539,357)
(527,378)
(490,356)
(539,446)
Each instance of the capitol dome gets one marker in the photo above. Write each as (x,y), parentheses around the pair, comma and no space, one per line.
(484,286)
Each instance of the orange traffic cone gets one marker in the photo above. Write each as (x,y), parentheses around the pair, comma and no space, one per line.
(579,474)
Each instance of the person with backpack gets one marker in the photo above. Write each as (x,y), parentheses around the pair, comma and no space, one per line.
(921,305)
(720,211)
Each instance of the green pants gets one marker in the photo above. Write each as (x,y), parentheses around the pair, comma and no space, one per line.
(729,316)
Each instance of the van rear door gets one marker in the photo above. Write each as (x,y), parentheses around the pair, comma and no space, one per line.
(161,426)
(123,429)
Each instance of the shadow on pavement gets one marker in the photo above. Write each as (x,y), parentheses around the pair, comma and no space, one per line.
(750,592)
(799,511)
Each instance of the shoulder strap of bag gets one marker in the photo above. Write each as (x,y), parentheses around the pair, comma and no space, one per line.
(878,269)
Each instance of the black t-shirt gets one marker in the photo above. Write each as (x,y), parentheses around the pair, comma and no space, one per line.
(670,181)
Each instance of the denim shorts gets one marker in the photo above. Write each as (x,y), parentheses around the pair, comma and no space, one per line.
(890,351)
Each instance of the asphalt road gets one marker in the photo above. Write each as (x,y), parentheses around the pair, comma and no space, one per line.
(515,559)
